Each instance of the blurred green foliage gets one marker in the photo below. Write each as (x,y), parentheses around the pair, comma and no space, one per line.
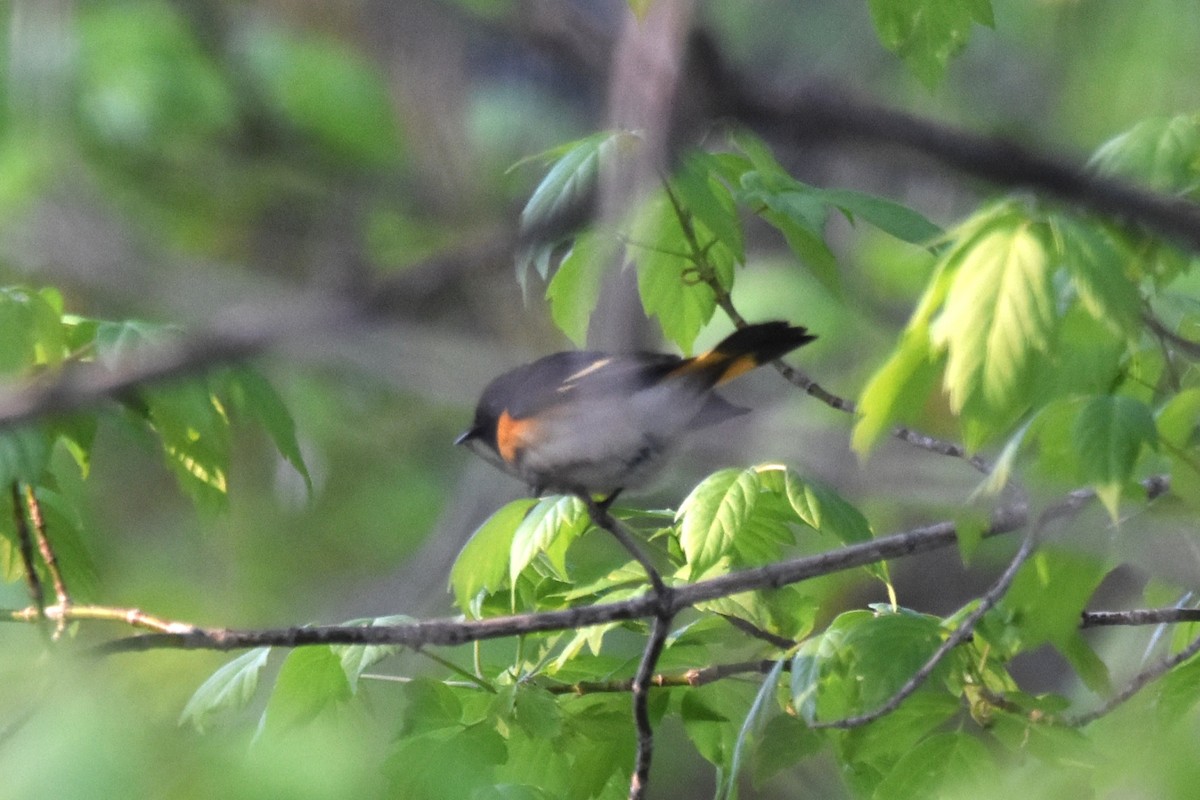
(284,136)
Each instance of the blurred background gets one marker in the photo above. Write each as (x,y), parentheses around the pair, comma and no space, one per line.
(211,162)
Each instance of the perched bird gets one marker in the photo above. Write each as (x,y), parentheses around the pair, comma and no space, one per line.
(581,421)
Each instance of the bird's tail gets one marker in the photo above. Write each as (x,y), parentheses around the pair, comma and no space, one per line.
(743,350)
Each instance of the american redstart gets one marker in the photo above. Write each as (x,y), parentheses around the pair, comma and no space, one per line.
(582,421)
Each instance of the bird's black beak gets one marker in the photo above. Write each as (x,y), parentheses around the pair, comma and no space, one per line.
(467,435)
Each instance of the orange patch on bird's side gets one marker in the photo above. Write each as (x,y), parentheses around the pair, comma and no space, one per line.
(510,435)
(738,366)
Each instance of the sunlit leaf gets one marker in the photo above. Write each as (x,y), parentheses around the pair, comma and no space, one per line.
(552,518)
(482,565)
(1164,152)
(310,681)
(898,389)
(713,514)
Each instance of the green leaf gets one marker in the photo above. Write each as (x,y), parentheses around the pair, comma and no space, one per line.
(356,659)
(536,712)
(228,689)
(713,514)
(709,202)
(926,34)
(1164,152)
(898,390)
(121,344)
(31,329)
(824,510)
(575,287)
(1096,262)
(640,7)
(751,729)
(310,681)
(942,765)
(24,454)
(669,287)
(446,763)
(1087,664)
(785,741)
(552,520)
(482,566)
(999,311)
(1108,435)
(260,399)
(429,705)
(194,430)
(1069,578)
(795,209)
(891,217)
(325,90)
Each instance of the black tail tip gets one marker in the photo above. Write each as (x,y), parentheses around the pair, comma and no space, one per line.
(766,340)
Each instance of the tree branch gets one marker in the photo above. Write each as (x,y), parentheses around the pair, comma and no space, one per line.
(641,703)
(1139,682)
(25,546)
(1144,616)
(48,556)
(830,116)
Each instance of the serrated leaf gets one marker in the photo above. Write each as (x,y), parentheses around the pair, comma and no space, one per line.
(121,344)
(356,659)
(1096,262)
(429,705)
(575,287)
(999,311)
(1163,152)
(566,187)
(926,34)
(824,510)
(264,403)
(900,221)
(713,514)
(24,453)
(482,565)
(1069,577)
(310,681)
(667,284)
(709,201)
(552,518)
(1108,436)
(228,689)
(751,729)
(937,764)
(194,432)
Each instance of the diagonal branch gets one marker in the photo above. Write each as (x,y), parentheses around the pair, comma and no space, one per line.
(641,703)
(1139,682)
(25,546)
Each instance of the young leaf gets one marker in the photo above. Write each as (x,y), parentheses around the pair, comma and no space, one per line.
(709,201)
(897,390)
(260,399)
(356,659)
(1096,262)
(1108,435)
(565,188)
(482,566)
(228,689)
(24,453)
(998,312)
(553,518)
(311,680)
(575,287)
(1162,151)
(824,510)
(926,34)
(713,514)
(942,765)
(891,217)
(668,287)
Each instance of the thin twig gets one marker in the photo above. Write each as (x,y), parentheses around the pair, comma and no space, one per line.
(1070,505)
(641,703)
(133,617)
(43,543)
(25,546)
(1139,682)
(1139,616)
(749,628)
(846,406)
(603,519)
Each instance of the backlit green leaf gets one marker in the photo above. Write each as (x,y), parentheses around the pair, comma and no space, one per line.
(898,390)
(482,566)
(310,681)
(575,287)
(713,514)
(891,217)
(228,689)
(926,34)
(553,518)
(1108,435)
